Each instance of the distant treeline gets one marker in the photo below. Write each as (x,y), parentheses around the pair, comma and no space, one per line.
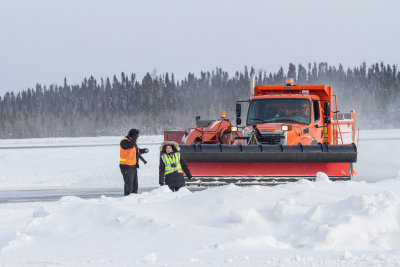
(158,102)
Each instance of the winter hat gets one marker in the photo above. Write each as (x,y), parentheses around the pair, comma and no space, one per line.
(133,133)
(174,145)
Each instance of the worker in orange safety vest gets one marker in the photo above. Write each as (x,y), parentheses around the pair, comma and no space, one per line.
(129,161)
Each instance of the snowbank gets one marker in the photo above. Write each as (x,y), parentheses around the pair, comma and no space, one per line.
(305,223)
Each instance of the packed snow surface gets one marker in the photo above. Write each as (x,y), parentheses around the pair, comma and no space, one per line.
(322,223)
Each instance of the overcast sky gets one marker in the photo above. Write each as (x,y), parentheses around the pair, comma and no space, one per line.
(43,41)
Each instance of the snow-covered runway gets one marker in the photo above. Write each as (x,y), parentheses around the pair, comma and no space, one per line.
(54,194)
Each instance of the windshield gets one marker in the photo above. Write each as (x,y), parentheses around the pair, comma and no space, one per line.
(290,110)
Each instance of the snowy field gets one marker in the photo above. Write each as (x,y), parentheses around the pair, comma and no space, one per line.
(80,163)
(355,223)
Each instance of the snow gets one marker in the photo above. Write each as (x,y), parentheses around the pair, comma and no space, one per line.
(75,166)
(321,223)
(377,152)
(305,222)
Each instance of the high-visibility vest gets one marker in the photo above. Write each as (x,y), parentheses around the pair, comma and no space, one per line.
(168,161)
(127,156)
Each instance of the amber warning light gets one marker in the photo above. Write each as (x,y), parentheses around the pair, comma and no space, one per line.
(289,81)
(223,113)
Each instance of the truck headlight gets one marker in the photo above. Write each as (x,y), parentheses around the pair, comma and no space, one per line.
(286,127)
(233,129)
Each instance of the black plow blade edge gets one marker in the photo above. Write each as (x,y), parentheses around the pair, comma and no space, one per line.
(269,153)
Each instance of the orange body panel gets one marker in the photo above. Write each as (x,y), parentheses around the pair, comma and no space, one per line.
(217,132)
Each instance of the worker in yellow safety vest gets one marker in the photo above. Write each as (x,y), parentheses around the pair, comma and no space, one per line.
(129,161)
(172,166)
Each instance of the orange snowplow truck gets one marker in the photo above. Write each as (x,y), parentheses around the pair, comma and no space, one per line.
(291,133)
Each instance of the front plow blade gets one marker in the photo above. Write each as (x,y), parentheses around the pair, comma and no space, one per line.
(213,165)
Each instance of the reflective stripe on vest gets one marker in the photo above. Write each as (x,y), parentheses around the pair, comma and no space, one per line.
(168,161)
(127,156)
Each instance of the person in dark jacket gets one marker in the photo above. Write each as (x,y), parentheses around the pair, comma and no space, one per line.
(129,161)
(172,166)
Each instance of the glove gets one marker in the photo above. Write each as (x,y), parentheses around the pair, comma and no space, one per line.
(145,150)
(145,162)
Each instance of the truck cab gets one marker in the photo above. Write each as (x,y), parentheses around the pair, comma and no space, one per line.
(293,114)
(284,120)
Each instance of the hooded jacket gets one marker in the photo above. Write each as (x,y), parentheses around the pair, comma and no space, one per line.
(173,179)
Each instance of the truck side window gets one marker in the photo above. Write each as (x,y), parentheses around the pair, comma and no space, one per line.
(316,110)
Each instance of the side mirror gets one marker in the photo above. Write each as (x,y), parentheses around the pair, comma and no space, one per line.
(238,121)
(327,112)
(238,110)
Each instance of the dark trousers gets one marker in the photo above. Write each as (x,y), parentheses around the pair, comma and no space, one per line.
(130,179)
(175,181)
(174,188)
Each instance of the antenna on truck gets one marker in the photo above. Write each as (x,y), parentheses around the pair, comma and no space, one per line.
(252,85)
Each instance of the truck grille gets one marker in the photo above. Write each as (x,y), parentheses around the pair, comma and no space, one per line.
(272,139)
